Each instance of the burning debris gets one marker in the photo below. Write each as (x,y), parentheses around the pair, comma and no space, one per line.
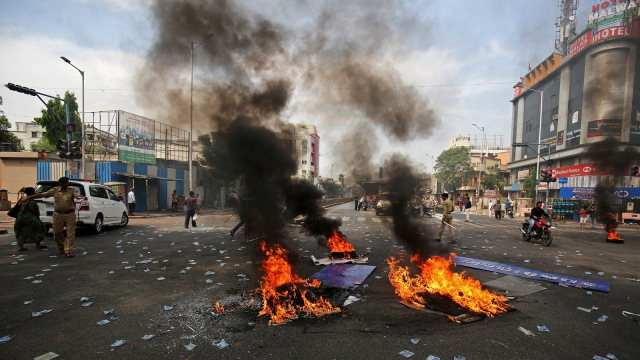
(285,295)
(340,247)
(612,236)
(437,278)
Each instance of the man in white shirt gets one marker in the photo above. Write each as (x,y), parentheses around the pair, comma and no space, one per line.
(131,201)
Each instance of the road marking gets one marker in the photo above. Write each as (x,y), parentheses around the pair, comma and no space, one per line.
(346,218)
(361,219)
(376,220)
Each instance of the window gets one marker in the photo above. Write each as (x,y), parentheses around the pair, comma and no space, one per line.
(304,172)
(34,134)
(304,162)
(112,196)
(527,127)
(98,192)
(554,114)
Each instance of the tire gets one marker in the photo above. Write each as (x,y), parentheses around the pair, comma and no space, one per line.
(98,225)
(547,238)
(124,220)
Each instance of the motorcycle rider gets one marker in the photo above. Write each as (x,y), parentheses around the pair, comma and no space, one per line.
(536,213)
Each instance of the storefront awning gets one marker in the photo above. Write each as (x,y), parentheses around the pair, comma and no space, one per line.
(145,177)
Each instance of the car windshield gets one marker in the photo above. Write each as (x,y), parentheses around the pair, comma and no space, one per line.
(385,197)
(48,185)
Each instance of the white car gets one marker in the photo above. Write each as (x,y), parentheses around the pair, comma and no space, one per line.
(99,207)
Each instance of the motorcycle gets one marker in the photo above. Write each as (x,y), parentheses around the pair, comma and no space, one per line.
(541,230)
(510,212)
(426,211)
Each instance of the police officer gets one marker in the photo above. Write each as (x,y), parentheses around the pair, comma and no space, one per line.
(64,214)
(446,218)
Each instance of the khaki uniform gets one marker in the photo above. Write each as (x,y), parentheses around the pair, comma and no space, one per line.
(64,216)
(447,218)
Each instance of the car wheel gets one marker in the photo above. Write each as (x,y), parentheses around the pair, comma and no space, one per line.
(124,220)
(97,226)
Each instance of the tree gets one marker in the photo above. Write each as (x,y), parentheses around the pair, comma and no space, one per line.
(453,168)
(215,155)
(56,130)
(493,179)
(530,184)
(43,145)
(5,134)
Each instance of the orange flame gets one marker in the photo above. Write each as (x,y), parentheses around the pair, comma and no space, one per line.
(282,300)
(613,234)
(437,277)
(218,308)
(337,243)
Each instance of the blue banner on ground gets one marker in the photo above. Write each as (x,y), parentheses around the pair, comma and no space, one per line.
(531,274)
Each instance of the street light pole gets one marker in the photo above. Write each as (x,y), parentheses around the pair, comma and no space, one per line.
(191,112)
(539,139)
(81,142)
(480,165)
(432,171)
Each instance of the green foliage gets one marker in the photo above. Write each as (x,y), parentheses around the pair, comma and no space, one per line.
(43,145)
(5,134)
(341,179)
(56,130)
(493,179)
(453,168)
(529,185)
(215,156)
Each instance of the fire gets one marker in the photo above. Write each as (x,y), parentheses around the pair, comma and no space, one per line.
(436,277)
(337,243)
(218,308)
(613,234)
(283,297)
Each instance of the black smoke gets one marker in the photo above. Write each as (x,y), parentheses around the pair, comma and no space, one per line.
(616,159)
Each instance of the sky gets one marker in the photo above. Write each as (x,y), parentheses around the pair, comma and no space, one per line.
(456,61)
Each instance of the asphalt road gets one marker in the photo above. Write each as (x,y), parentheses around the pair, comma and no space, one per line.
(375,327)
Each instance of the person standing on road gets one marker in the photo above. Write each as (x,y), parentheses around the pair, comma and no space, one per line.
(490,208)
(174,202)
(131,201)
(356,203)
(497,210)
(64,215)
(536,213)
(461,204)
(447,218)
(583,217)
(467,208)
(190,208)
(594,216)
(361,202)
(28,226)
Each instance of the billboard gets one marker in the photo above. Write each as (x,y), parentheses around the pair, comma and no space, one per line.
(606,127)
(136,139)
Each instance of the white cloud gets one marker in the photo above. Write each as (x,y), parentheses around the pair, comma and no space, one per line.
(34,61)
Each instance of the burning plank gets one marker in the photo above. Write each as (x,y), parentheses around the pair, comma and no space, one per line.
(436,279)
(342,252)
(612,234)
(284,294)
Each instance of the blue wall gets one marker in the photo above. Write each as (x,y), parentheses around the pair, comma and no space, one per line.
(162,188)
(104,171)
(180,184)
(44,171)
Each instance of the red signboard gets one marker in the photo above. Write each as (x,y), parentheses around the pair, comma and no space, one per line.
(615,31)
(578,170)
(517,91)
(580,44)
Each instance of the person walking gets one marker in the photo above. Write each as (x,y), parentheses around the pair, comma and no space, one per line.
(356,203)
(461,204)
(490,208)
(447,218)
(174,202)
(361,202)
(593,214)
(64,215)
(503,210)
(583,217)
(131,201)
(28,226)
(467,208)
(497,211)
(190,208)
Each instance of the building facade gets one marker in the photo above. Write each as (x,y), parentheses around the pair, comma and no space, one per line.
(28,133)
(307,150)
(567,103)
